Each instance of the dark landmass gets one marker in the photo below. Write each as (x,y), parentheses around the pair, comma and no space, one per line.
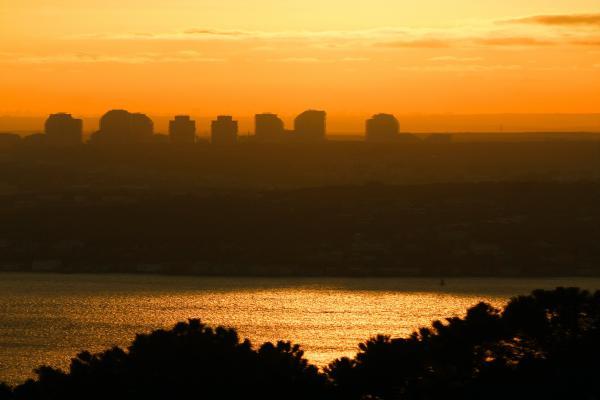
(335,209)
(545,345)
(487,229)
(164,167)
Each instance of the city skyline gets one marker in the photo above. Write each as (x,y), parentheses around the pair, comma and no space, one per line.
(119,126)
(343,124)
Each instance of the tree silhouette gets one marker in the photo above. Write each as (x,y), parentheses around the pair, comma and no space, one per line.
(544,345)
(5,392)
(190,360)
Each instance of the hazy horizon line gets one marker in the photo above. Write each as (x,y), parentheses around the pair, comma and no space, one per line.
(339,114)
(354,124)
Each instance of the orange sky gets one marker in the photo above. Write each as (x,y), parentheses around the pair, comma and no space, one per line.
(350,58)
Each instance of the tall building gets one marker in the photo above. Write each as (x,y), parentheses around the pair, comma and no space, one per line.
(382,128)
(123,127)
(182,130)
(310,126)
(268,128)
(142,127)
(63,130)
(224,130)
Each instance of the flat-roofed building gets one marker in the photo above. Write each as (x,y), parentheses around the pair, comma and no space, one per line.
(62,129)
(382,128)
(182,130)
(310,126)
(224,130)
(268,128)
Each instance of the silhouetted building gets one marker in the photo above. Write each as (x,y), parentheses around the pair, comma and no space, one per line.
(182,130)
(123,127)
(115,126)
(63,130)
(224,130)
(142,127)
(310,126)
(8,140)
(382,128)
(268,128)
(35,139)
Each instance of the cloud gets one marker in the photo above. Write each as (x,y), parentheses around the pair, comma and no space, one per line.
(586,42)
(569,20)
(355,59)
(299,60)
(84,58)
(461,68)
(474,41)
(215,32)
(455,59)
(314,60)
(78,58)
(391,38)
(521,32)
(209,34)
(417,43)
(264,48)
(514,41)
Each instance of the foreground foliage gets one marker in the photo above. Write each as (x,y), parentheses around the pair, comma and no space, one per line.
(544,345)
(189,360)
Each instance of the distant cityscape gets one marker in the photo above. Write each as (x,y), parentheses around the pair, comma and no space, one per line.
(121,127)
(282,202)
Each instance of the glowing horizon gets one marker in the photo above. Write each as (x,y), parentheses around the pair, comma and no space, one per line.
(209,58)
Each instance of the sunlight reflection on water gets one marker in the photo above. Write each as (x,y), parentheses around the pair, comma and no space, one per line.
(48,318)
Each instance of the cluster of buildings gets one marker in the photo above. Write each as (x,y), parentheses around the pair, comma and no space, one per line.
(123,127)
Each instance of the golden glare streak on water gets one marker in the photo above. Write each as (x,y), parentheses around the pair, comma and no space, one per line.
(46,319)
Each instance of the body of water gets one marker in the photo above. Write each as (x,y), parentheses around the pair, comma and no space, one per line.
(46,319)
